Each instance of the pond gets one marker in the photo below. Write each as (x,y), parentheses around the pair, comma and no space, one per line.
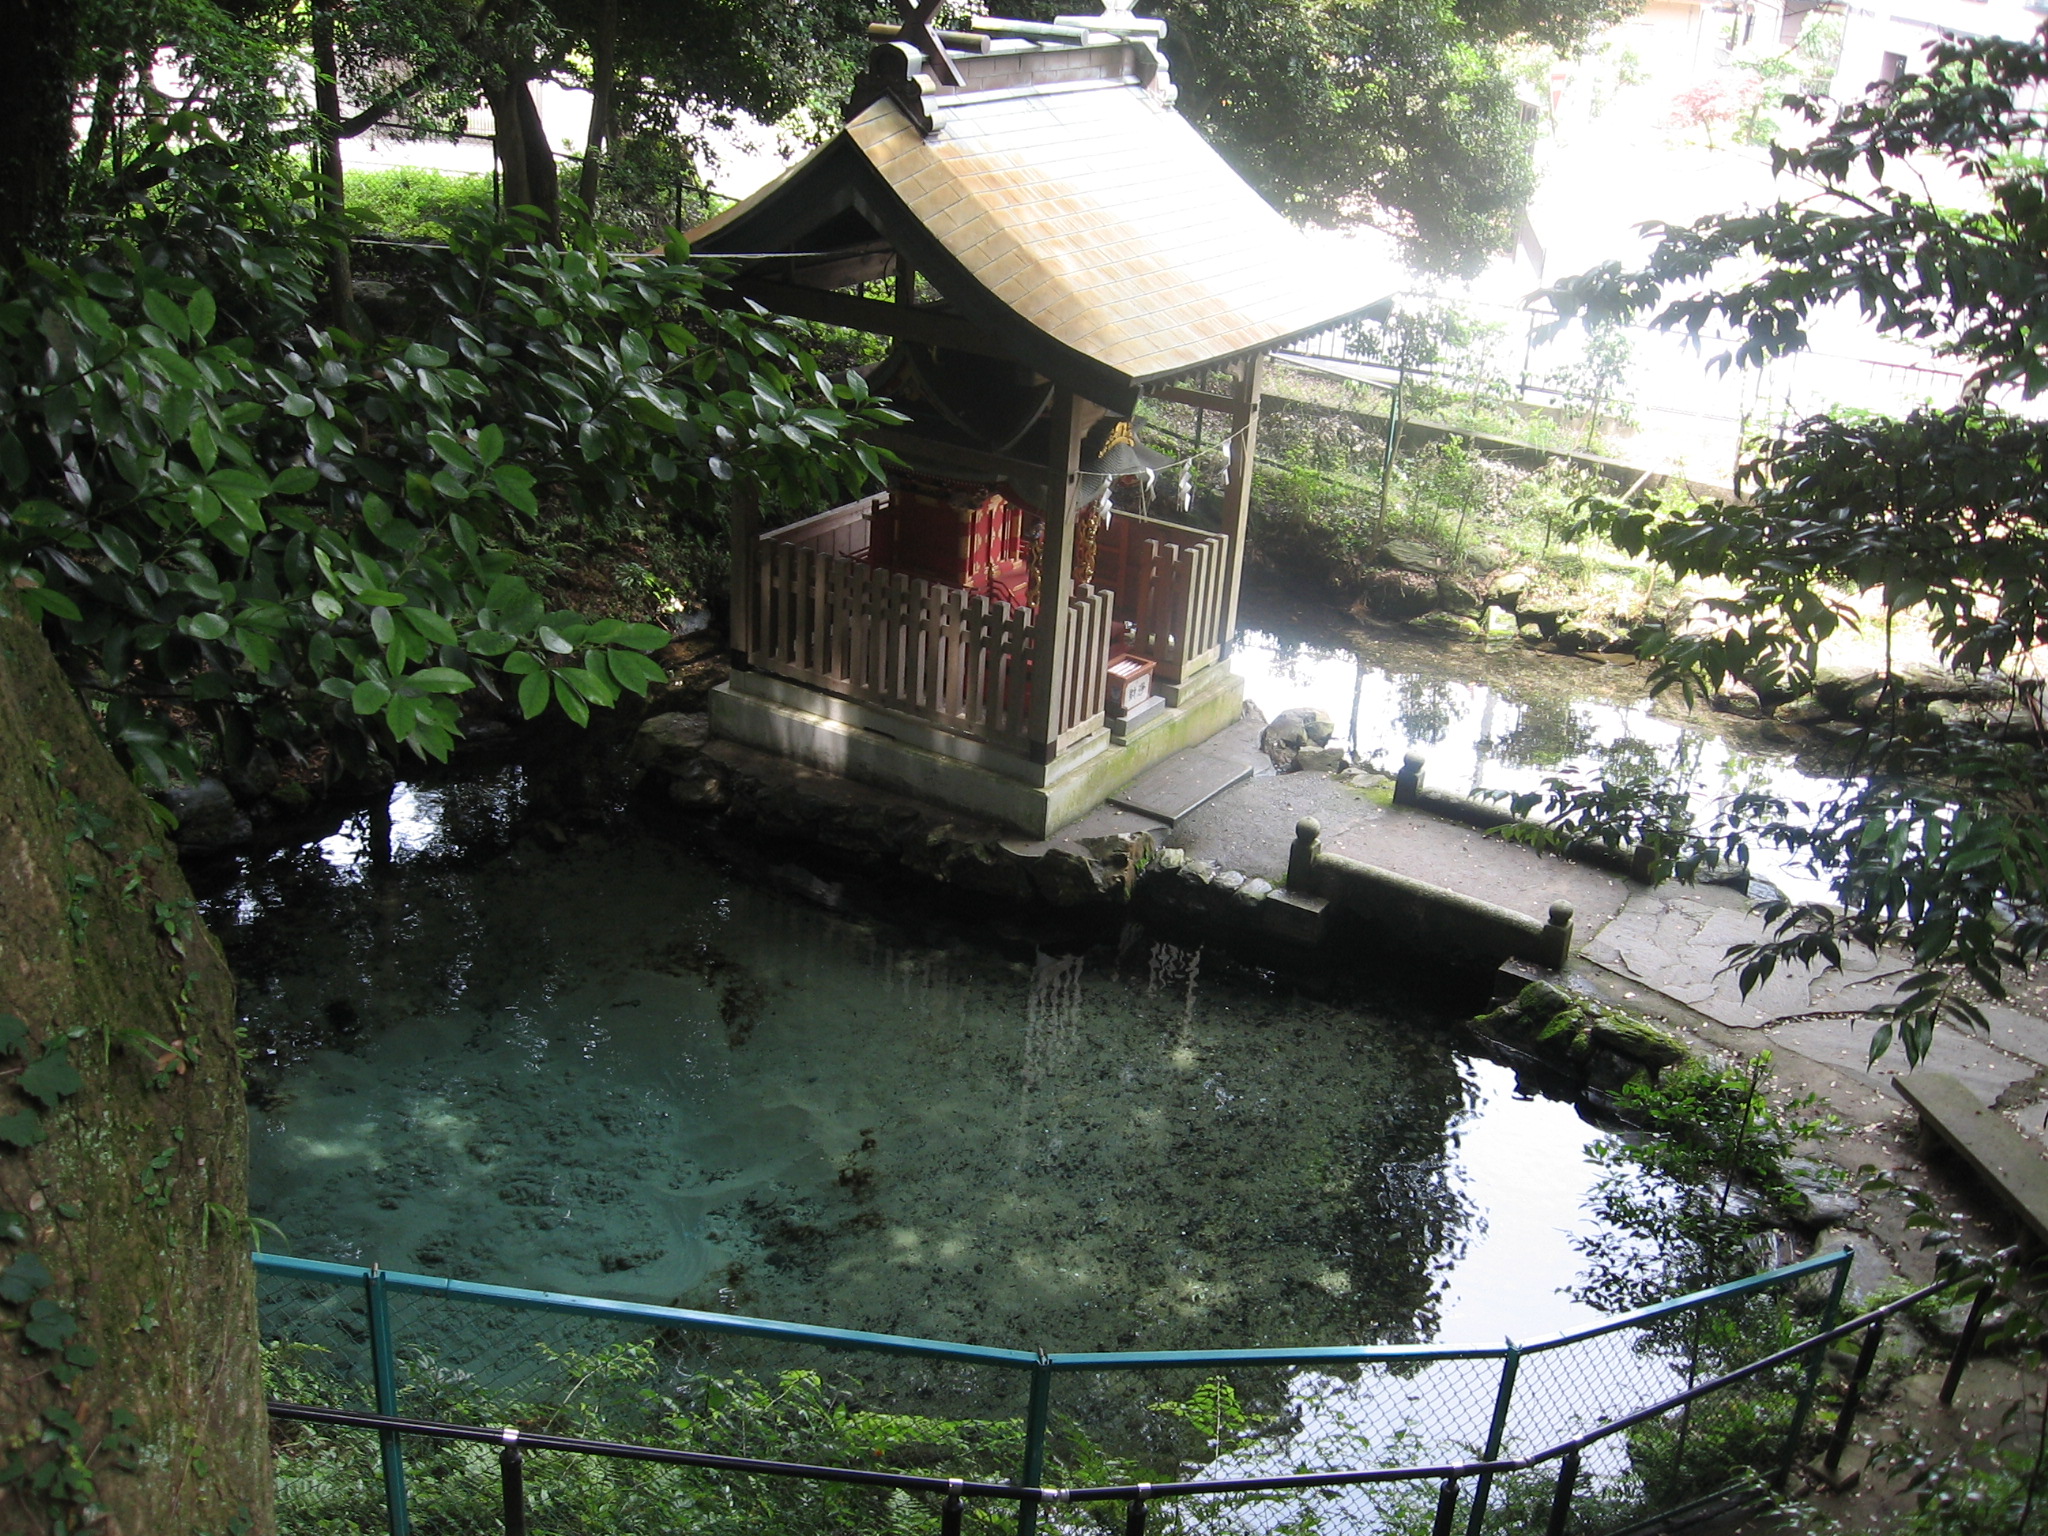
(1506,718)
(621,1068)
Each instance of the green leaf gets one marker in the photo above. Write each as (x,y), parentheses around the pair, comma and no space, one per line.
(635,671)
(327,605)
(571,701)
(204,448)
(369,696)
(488,642)
(643,637)
(451,451)
(119,548)
(516,486)
(438,680)
(50,1323)
(23,1128)
(13,1035)
(533,694)
(54,603)
(23,1278)
(204,626)
(200,313)
(430,624)
(554,641)
(50,1079)
(166,312)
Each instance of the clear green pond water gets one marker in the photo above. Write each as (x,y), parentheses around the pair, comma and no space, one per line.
(617,1067)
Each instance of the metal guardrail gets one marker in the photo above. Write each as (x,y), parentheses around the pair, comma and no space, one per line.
(1139,1498)
(387,1343)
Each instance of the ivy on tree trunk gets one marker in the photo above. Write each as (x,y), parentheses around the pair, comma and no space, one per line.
(129,1379)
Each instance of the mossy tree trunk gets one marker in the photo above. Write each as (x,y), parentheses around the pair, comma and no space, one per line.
(128,1365)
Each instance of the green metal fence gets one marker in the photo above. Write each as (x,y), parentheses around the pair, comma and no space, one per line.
(340,1336)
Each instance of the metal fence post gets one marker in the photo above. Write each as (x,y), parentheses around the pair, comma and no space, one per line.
(512,1483)
(1561,1498)
(1446,1508)
(1852,1399)
(384,1377)
(1036,1416)
(1814,1361)
(1496,1433)
(1971,1327)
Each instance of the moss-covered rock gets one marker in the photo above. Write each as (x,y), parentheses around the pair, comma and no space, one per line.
(1638,1039)
(1603,1047)
(1541,1000)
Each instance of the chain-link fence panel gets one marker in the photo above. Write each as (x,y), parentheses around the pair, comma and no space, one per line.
(1232,1420)
(630,1379)
(730,1388)
(316,1337)
(1722,1446)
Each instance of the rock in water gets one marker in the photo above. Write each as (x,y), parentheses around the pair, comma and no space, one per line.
(1412,555)
(1456,626)
(669,743)
(208,817)
(1293,729)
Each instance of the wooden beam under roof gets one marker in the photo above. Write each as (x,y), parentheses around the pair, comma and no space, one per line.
(1199,399)
(1035,482)
(910,322)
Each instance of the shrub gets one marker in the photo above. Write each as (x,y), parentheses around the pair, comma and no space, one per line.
(411,203)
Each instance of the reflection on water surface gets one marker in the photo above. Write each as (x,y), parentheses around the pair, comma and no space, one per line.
(614,1068)
(1505,718)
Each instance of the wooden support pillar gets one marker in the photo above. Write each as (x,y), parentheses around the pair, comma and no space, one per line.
(1237,494)
(1050,630)
(746,530)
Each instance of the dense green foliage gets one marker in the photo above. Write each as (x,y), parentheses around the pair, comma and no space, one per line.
(409,203)
(1404,113)
(1941,846)
(253,530)
(1680,1209)
(425,63)
(641,1392)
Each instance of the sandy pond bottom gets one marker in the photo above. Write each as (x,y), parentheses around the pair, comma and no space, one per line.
(615,1069)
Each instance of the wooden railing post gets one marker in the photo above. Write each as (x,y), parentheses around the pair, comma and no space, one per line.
(746,528)
(1237,495)
(1052,624)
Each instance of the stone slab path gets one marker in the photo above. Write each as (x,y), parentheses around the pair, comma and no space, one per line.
(1190,779)
(1250,827)
(1638,946)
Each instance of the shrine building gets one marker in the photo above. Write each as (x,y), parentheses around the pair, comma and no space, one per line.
(1030,614)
